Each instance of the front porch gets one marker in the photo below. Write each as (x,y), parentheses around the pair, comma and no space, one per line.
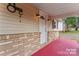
(26,28)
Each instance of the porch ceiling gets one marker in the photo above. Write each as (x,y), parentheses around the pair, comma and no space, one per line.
(59,9)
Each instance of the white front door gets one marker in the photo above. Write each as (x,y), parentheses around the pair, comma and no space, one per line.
(42,29)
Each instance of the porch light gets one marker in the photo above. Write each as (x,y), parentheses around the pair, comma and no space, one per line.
(49,18)
(42,17)
(37,15)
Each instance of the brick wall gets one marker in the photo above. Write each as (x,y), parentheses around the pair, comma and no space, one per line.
(19,44)
(52,35)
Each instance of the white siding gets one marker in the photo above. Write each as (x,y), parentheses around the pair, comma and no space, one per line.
(9,22)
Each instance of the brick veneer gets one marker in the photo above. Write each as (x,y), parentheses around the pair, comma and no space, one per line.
(19,44)
(22,44)
(52,35)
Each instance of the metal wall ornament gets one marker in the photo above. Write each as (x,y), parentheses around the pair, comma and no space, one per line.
(11,7)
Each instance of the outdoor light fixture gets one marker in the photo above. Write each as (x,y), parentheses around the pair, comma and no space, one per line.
(49,18)
(42,17)
(11,7)
(37,14)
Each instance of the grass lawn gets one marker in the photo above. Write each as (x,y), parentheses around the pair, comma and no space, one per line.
(72,32)
(74,35)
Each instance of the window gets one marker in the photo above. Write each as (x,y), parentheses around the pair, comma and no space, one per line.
(53,24)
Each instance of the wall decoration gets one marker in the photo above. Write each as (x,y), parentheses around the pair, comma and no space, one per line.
(11,7)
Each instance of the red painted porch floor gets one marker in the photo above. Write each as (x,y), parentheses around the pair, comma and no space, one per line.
(59,47)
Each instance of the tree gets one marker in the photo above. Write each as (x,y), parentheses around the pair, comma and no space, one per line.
(71,22)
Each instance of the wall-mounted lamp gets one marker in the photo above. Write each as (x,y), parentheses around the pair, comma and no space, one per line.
(49,18)
(11,7)
(42,17)
(37,14)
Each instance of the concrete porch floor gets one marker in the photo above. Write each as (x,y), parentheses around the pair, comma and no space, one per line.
(59,47)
